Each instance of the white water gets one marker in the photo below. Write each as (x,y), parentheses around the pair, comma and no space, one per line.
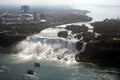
(46,45)
(83,47)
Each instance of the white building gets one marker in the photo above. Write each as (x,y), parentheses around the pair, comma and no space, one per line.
(10,18)
(27,17)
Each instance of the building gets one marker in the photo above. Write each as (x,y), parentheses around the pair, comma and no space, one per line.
(24,17)
(25,9)
(10,19)
(16,19)
(27,17)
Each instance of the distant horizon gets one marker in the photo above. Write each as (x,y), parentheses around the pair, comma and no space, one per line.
(60,5)
(61,2)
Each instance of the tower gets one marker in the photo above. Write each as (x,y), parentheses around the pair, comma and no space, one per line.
(25,9)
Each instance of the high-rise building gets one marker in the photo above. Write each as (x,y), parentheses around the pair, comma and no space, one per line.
(25,9)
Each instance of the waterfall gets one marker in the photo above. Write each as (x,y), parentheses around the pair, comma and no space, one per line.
(48,48)
(46,45)
(83,47)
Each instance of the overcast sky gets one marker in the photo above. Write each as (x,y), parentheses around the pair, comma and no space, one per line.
(66,2)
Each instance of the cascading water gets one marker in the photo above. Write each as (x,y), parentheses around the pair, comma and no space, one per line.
(46,45)
(83,47)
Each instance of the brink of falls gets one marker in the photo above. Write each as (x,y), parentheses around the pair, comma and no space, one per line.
(46,45)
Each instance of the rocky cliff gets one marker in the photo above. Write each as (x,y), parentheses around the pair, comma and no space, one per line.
(101,53)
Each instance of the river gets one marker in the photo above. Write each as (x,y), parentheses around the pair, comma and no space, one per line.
(56,56)
(99,13)
(14,68)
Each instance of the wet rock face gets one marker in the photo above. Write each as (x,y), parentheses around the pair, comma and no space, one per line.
(77,57)
(79,45)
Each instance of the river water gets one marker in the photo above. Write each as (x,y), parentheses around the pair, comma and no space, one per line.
(14,68)
(56,56)
(99,13)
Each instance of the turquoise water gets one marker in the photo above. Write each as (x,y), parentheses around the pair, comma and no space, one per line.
(13,68)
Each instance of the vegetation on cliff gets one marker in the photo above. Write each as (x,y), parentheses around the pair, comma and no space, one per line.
(105,49)
(63,34)
(107,26)
(104,54)
(26,29)
(13,33)
(77,29)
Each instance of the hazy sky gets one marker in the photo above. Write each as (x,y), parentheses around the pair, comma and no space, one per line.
(66,2)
